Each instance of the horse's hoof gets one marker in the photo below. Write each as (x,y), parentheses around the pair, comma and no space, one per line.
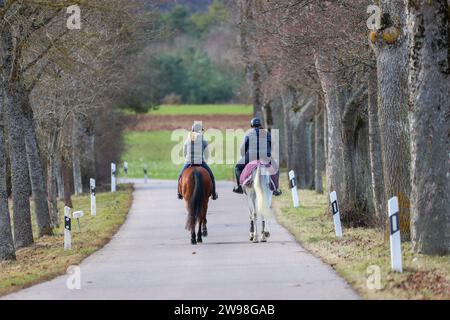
(205,233)
(199,240)
(251,236)
(255,239)
(193,241)
(263,239)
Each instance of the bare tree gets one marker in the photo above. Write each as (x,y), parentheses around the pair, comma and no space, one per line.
(429,102)
(35,42)
(7,251)
(390,45)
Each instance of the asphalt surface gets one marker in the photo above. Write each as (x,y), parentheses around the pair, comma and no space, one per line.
(151,258)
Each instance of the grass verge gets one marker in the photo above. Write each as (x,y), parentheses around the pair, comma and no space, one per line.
(47,259)
(361,251)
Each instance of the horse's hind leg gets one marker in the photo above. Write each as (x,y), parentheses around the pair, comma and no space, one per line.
(193,240)
(264,233)
(266,229)
(254,226)
(204,229)
(199,234)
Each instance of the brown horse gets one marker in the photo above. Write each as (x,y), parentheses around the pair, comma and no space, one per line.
(196,188)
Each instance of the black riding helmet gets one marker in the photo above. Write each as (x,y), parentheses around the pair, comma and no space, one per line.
(256,123)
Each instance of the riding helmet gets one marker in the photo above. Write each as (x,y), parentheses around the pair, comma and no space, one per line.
(256,123)
(197,127)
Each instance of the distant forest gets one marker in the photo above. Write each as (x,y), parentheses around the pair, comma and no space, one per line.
(191,5)
(196,61)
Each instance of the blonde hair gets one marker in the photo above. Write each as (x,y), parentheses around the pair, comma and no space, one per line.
(192,136)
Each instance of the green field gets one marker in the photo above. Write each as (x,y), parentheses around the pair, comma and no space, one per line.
(212,109)
(154,149)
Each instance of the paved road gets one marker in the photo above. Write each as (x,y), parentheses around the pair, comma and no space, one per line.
(151,258)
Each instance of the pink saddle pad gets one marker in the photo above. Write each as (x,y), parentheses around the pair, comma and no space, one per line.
(246,175)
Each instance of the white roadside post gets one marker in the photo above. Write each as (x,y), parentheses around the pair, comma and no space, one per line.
(125,168)
(93,200)
(336,214)
(396,247)
(113,177)
(77,215)
(67,229)
(293,185)
(145,173)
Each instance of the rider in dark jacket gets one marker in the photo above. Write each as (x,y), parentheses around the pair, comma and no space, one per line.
(257,145)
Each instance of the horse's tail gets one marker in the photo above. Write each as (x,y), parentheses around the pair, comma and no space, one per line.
(196,201)
(262,191)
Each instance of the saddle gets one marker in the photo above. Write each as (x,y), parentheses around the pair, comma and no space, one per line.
(179,180)
(246,175)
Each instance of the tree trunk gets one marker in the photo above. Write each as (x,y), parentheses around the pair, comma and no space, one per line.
(58,173)
(289,100)
(268,114)
(278,137)
(376,166)
(7,251)
(77,133)
(52,187)
(354,207)
(319,147)
(325,137)
(246,30)
(429,86)
(89,158)
(392,69)
(325,133)
(308,172)
(23,233)
(37,179)
(333,104)
(364,210)
(303,144)
(65,172)
(257,93)
(9,57)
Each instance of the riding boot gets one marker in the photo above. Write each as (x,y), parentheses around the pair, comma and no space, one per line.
(215,196)
(238,171)
(180,196)
(238,189)
(277,192)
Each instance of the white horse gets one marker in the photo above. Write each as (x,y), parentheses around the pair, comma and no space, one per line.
(259,198)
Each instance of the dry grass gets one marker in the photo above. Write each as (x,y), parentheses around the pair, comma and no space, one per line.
(47,259)
(424,277)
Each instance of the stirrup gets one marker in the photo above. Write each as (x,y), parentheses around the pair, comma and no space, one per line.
(238,189)
(180,196)
(215,196)
(277,193)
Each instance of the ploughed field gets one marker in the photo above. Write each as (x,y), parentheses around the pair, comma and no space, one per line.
(149,122)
